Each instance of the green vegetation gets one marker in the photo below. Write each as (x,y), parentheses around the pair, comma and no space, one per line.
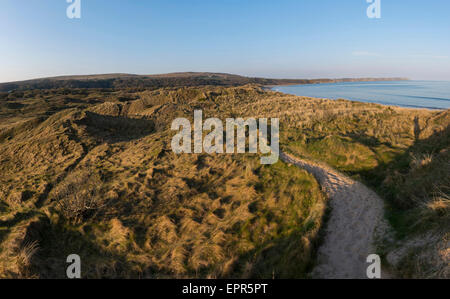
(98,178)
(404,156)
(90,171)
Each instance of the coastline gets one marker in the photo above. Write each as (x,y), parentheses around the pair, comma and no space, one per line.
(331,81)
(380,102)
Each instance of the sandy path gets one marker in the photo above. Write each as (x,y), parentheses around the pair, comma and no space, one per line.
(355,221)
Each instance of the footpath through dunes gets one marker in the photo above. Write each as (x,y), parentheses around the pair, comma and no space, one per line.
(355,222)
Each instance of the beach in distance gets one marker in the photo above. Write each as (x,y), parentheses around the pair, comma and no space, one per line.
(412,94)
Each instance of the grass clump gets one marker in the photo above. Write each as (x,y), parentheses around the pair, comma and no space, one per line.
(78,196)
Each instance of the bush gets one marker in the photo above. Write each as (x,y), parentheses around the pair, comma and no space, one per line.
(78,196)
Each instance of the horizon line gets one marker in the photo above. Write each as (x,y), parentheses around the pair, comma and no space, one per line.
(118,74)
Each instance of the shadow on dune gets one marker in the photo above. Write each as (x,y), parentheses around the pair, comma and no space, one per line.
(57,242)
(401,181)
(112,129)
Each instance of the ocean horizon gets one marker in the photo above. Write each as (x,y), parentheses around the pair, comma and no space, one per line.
(410,94)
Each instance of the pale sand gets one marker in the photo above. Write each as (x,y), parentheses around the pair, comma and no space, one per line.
(355,222)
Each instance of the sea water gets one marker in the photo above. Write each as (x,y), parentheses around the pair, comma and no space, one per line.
(415,94)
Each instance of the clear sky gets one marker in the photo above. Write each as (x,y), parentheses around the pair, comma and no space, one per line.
(270,38)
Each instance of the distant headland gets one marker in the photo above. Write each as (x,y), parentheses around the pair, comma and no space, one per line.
(116,81)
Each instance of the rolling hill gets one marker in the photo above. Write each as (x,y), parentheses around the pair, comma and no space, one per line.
(120,81)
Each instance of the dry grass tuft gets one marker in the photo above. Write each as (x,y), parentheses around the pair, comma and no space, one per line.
(78,196)
(423,160)
(24,258)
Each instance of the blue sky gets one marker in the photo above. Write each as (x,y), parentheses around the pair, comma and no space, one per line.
(269,38)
